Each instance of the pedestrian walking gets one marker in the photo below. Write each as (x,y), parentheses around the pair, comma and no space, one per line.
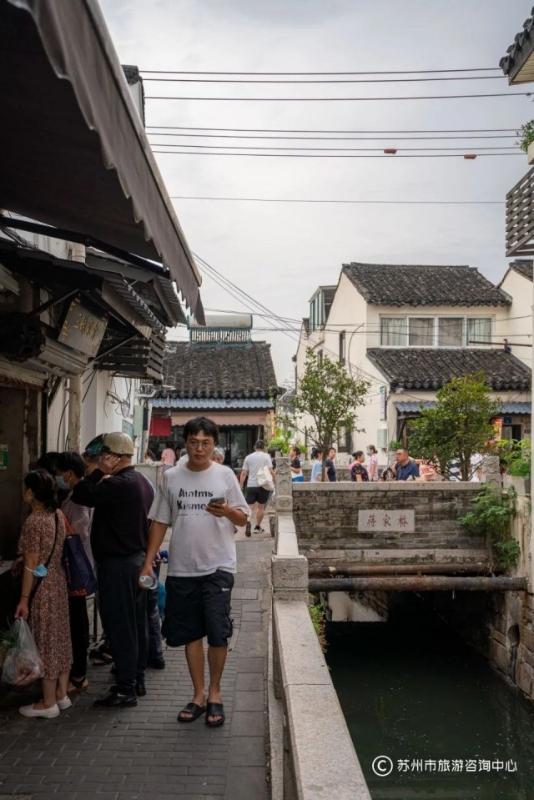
(330,463)
(297,476)
(70,471)
(121,498)
(203,503)
(44,600)
(405,468)
(168,455)
(317,465)
(218,455)
(254,466)
(371,463)
(358,471)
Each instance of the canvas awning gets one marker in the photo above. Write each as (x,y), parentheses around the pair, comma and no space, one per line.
(74,151)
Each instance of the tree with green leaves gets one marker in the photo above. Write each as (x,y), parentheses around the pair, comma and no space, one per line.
(458,426)
(330,396)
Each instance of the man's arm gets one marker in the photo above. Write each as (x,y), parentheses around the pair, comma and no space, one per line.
(236,515)
(156,535)
(91,490)
(243,476)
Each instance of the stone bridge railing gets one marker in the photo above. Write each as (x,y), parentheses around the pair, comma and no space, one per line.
(317,760)
(408,523)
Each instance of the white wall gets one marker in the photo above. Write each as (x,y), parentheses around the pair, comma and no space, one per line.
(107,401)
(518,327)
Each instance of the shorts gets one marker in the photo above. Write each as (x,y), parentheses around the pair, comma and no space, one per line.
(198,607)
(257,494)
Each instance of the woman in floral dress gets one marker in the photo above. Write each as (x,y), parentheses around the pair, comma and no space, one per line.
(44,601)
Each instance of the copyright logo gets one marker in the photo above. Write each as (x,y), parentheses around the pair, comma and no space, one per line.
(382,766)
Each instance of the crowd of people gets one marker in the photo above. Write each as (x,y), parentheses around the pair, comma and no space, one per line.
(122,520)
(363,467)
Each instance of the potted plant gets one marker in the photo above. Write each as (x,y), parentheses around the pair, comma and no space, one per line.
(526,141)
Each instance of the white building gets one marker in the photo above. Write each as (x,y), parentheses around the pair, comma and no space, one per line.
(408,329)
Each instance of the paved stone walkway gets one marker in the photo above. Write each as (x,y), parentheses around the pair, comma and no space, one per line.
(143,753)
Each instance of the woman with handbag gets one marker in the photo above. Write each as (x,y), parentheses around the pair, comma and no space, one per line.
(44,599)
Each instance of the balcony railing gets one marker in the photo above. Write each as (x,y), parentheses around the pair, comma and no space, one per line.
(520,217)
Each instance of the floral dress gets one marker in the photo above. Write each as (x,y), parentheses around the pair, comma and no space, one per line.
(49,611)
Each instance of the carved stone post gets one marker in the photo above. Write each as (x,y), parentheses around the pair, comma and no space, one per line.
(284,491)
(491,472)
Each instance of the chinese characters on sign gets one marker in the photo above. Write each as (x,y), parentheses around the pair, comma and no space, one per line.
(82,330)
(456,765)
(383,765)
(382,520)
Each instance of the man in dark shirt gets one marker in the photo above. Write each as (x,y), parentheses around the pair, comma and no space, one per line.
(405,467)
(121,498)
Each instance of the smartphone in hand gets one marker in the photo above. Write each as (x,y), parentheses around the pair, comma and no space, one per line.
(217,501)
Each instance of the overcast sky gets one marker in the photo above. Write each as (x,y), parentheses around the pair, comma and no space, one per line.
(279,253)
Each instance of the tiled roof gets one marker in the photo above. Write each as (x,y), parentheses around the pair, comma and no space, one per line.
(413,407)
(414,368)
(524,267)
(519,51)
(423,285)
(214,403)
(218,370)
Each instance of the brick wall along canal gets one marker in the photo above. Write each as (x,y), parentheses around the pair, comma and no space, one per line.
(413,691)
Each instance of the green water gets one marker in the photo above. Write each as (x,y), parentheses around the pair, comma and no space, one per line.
(410,689)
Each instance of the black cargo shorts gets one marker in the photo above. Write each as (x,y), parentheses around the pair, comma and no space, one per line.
(198,607)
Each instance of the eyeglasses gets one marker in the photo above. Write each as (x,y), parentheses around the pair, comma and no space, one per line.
(199,444)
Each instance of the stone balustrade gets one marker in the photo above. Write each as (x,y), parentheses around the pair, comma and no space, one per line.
(317,760)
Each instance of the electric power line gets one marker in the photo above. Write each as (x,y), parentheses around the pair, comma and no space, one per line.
(313,81)
(298,320)
(464,155)
(290,72)
(309,130)
(340,202)
(338,99)
(328,138)
(334,149)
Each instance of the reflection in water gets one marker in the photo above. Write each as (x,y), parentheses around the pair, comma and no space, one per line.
(410,689)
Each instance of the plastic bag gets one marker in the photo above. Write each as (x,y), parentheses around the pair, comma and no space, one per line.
(22,664)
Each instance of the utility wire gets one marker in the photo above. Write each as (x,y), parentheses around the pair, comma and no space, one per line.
(305,155)
(329,138)
(291,81)
(306,130)
(367,72)
(337,99)
(332,149)
(342,202)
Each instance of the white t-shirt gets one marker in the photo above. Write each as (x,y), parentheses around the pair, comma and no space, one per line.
(200,543)
(253,463)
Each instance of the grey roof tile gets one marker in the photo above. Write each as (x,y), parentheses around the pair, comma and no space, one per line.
(421,368)
(524,267)
(220,370)
(423,285)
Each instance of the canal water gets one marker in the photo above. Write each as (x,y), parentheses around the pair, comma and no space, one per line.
(414,693)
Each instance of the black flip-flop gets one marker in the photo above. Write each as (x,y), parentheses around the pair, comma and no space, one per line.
(194,709)
(215,710)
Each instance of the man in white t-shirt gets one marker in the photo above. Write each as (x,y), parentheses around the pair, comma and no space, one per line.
(257,496)
(203,503)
